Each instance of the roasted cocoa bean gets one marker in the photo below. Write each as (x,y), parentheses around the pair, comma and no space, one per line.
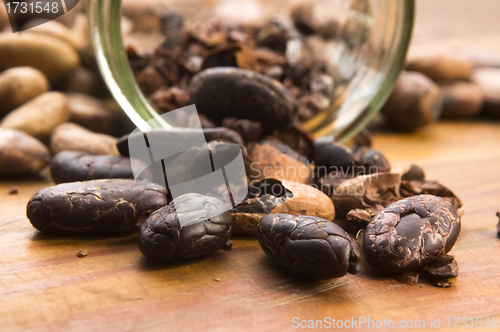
(98,206)
(411,233)
(192,225)
(308,246)
(72,166)
(172,136)
(231,92)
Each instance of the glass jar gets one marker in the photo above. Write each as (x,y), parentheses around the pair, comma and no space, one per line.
(363,46)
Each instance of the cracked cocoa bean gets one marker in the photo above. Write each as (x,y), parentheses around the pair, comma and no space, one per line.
(232,92)
(192,225)
(72,166)
(308,246)
(411,233)
(99,206)
(273,196)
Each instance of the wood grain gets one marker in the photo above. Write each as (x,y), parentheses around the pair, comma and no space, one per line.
(45,286)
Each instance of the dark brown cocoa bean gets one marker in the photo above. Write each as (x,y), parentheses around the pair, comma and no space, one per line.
(98,206)
(232,92)
(308,246)
(72,166)
(192,225)
(330,157)
(414,173)
(180,135)
(249,130)
(411,233)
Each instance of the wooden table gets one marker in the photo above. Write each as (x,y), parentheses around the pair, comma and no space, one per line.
(45,286)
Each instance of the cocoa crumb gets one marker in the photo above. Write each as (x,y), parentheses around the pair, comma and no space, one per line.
(82,253)
(14,190)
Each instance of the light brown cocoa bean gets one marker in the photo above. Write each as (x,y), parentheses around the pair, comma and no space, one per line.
(91,113)
(439,64)
(39,116)
(21,154)
(461,99)
(52,56)
(70,136)
(414,102)
(488,80)
(85,81)
(19,85)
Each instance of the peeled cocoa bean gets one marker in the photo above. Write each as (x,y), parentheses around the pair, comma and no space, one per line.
(40,116)
(461,100)
(52,56)
(70,136)
(19,85)
(21,154)
(91,113)
(232,92)
(414,102)
(99,206)
(72,166)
